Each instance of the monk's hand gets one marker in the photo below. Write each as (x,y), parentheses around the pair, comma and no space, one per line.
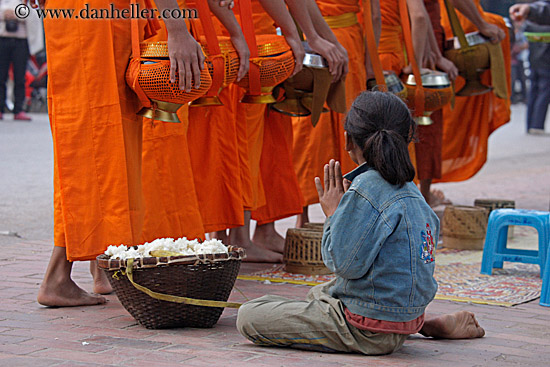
(332,193)
(298,51)
(36,3)
(186,57)
(241,47)
(519,12)
(229,3)
(331,53)
(447,66)
(493,32)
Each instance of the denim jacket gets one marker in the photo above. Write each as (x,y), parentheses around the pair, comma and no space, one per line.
(380,243)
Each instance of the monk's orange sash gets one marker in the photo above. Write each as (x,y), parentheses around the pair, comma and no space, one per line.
(213,46)
(372,46)
(247,25)
(406,26)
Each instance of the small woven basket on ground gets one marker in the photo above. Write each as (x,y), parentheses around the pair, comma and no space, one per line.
(314,226)
(492,204)
(464,227)
(175,291)
(302,252)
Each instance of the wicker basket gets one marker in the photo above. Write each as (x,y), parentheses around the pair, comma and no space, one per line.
(464,227)
(200,277)
(314,226)
(302,252)
(492,204)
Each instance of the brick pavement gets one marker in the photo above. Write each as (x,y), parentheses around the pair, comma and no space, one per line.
(31,335)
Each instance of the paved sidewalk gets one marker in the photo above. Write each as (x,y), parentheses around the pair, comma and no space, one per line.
(31,335)
(518,168)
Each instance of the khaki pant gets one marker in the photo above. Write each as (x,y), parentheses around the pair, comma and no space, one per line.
(318,323)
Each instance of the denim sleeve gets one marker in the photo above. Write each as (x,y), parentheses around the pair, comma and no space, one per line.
(539,12)
(353,236)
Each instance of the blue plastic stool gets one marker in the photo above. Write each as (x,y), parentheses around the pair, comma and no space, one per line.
(545,294)
(495,251)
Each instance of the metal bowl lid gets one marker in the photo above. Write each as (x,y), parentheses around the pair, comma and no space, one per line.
(431,79)
(474,38)
(315,61)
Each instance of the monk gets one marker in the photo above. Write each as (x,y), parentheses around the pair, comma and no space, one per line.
(226,171)
(282,192)
(315,146)
(249,136)
(466,127)
(168,185)
(97,140)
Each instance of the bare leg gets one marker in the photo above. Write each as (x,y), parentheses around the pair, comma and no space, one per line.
(101,282)
(459,325)
(240,236)
(303,218)
(220,235)
(266,236)
(433,197)
(58,289)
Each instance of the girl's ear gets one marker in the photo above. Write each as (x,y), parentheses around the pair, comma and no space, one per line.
(348,142)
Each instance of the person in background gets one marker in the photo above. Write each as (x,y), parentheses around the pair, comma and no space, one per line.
(539,92)
(519,50)
(14,50)
(537,12)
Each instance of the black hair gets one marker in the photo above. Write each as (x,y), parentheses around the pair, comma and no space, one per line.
(382,126)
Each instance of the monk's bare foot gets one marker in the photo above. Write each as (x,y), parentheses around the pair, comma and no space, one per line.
(437,198)
(220,235)
(101,282)
(58,289)
(459,325)
(303,218)
(259,254)
(65,294)
(266,236)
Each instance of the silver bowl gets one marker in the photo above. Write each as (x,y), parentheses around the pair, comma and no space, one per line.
(433,79)
(315,61)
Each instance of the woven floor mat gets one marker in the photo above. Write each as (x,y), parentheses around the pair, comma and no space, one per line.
(457,273)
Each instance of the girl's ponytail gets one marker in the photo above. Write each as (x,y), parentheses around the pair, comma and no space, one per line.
(381,124)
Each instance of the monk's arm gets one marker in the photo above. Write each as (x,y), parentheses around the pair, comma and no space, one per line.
(278,11)
(319,35)
(435,57)
(227,18)
(470,11)
(420,25)
(185,53)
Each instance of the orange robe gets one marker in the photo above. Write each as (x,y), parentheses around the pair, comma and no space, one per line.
(96,133)
(467,127)
(225,144)
(171,206)
(313,147)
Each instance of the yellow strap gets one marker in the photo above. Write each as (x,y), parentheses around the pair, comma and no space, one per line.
(175,299)
(342,20)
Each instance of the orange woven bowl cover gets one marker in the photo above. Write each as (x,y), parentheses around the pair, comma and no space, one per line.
(434,98)
(154,76)
(275,60)
(230,56)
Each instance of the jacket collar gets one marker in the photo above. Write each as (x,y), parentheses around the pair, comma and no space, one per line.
(356,172)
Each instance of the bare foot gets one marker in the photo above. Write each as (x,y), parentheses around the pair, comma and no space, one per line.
(259,254)
(101,282)
(437,198)
(459,325)
(58,289)
(267,237)
(220,235)
(303,218)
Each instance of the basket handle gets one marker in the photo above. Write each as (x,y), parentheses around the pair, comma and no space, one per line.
(170,298)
